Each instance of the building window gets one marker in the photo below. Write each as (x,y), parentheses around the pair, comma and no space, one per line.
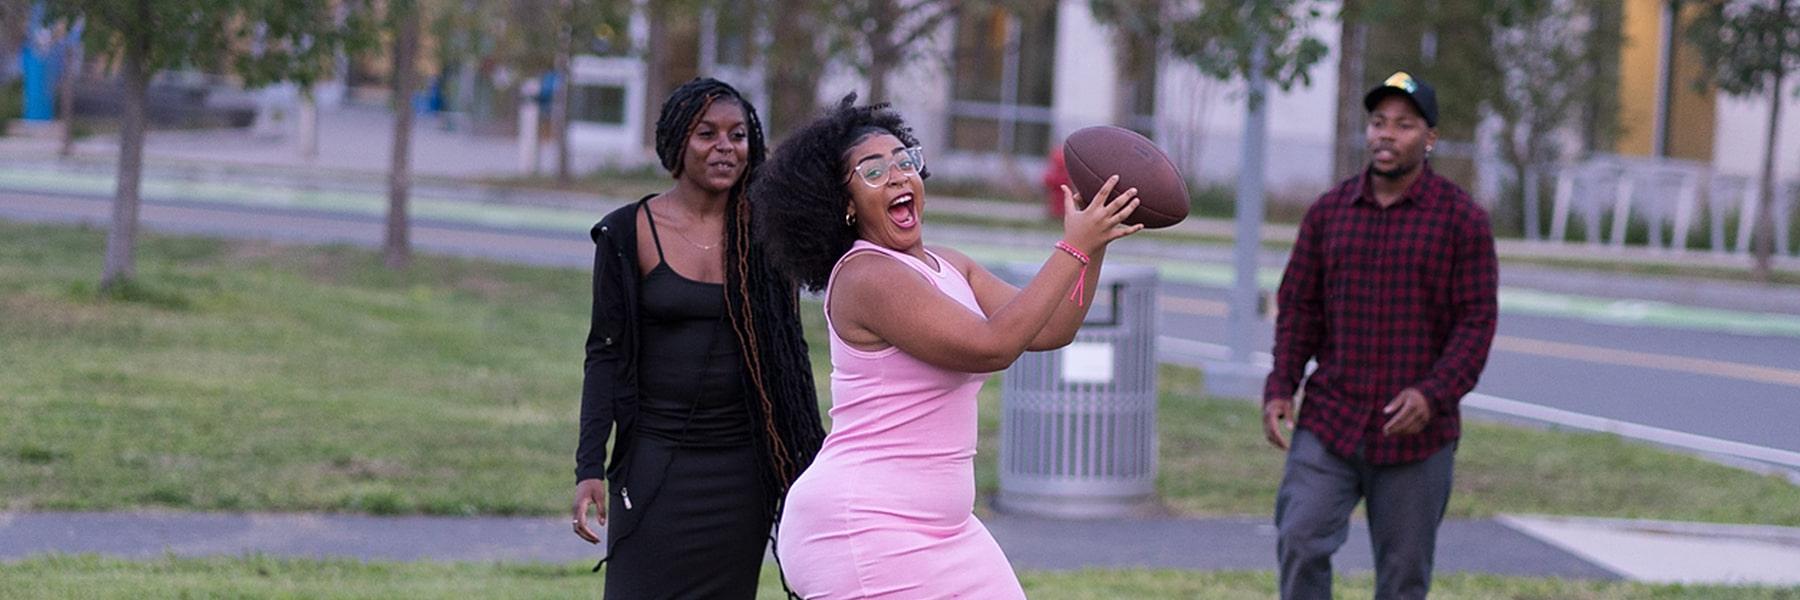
(602,104)
(1002,85)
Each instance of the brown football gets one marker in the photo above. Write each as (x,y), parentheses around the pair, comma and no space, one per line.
(1095,153)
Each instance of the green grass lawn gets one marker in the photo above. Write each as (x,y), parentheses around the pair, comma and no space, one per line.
(241,376)
(261,577)
(1214,461)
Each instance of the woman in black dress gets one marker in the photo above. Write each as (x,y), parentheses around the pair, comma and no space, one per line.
(695,357)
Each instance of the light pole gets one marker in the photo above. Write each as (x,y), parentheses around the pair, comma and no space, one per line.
(1240,376)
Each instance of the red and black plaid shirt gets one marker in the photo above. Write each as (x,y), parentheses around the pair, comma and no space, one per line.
(1386,299)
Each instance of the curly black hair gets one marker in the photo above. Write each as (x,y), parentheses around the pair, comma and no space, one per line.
(800,195)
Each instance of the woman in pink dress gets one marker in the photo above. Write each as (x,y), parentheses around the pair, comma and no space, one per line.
(886,508)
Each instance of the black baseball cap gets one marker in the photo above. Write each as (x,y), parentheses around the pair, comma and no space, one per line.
(1422,95)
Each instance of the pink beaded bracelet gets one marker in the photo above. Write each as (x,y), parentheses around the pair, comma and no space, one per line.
(1080,280)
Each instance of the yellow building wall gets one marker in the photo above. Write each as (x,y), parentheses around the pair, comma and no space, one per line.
(1691,113)
(1639,54)
(1691,118)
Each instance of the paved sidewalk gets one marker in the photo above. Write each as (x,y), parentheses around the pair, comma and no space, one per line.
(1529,546)
(1483,546)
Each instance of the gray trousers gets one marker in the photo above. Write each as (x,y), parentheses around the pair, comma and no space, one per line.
(1312,514)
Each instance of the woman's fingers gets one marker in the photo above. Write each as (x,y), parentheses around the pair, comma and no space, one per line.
(1128,194)
(1105,194)
(1123,230)
(1124,208)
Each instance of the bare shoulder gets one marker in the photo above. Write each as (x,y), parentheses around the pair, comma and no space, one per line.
(870,271)
(868,283)
(961,261)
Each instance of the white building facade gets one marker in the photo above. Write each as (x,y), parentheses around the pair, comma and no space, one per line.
(991,93)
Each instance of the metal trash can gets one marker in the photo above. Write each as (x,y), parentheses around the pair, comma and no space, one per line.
(1078,424)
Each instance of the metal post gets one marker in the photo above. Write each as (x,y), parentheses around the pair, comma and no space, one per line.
(1241,377)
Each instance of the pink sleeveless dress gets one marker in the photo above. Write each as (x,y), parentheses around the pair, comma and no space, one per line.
(885,511)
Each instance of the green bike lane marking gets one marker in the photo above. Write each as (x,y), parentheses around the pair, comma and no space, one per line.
(352,202)
(1210,274)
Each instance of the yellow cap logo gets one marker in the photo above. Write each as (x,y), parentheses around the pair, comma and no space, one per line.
(1402,80)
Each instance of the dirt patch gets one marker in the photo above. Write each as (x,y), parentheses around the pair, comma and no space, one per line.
(483,286)
(241,253)
(57,312)
(356,467)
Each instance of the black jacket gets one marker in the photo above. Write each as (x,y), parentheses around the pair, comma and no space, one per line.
(609,389)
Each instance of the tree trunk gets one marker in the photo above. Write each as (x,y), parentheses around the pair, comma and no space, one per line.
(397,251)
(309,124)
(794,69)
(1521,172)
(882,53)
(65,96)
(1532,199)
(878,72)
(1515,134)
(674,55)
(121,240)
(656,80)
(1347,147)
(1762,242)
(559,105)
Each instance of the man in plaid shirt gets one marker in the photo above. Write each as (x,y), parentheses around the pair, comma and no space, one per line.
(1391,289)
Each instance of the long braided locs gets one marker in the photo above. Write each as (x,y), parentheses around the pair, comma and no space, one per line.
(761,302)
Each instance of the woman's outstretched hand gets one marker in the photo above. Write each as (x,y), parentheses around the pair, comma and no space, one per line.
(1092,228)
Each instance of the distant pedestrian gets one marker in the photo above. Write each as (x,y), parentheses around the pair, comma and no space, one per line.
(1391,288)
(696,358)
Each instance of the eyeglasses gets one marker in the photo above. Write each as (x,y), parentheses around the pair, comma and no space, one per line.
(875,170)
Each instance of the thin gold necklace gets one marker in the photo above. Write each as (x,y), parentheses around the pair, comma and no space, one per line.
(702,247)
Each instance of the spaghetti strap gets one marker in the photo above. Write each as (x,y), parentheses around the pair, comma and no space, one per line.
(654,238)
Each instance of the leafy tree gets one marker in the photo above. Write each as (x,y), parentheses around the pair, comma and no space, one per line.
(1264,42)
(877,36)
(1554,69)
(263,40)
(1224,39)
(1750,47)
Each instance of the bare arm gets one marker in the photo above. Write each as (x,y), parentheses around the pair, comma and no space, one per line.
(897,305)
(992,292)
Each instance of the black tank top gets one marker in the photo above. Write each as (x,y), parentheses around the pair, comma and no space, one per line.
(690,372)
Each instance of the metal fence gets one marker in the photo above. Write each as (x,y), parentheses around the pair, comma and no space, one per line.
(1678,206)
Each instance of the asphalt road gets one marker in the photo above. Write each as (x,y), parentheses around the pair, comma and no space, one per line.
(1742,388)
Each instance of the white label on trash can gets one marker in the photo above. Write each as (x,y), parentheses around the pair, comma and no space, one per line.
(1087,362)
